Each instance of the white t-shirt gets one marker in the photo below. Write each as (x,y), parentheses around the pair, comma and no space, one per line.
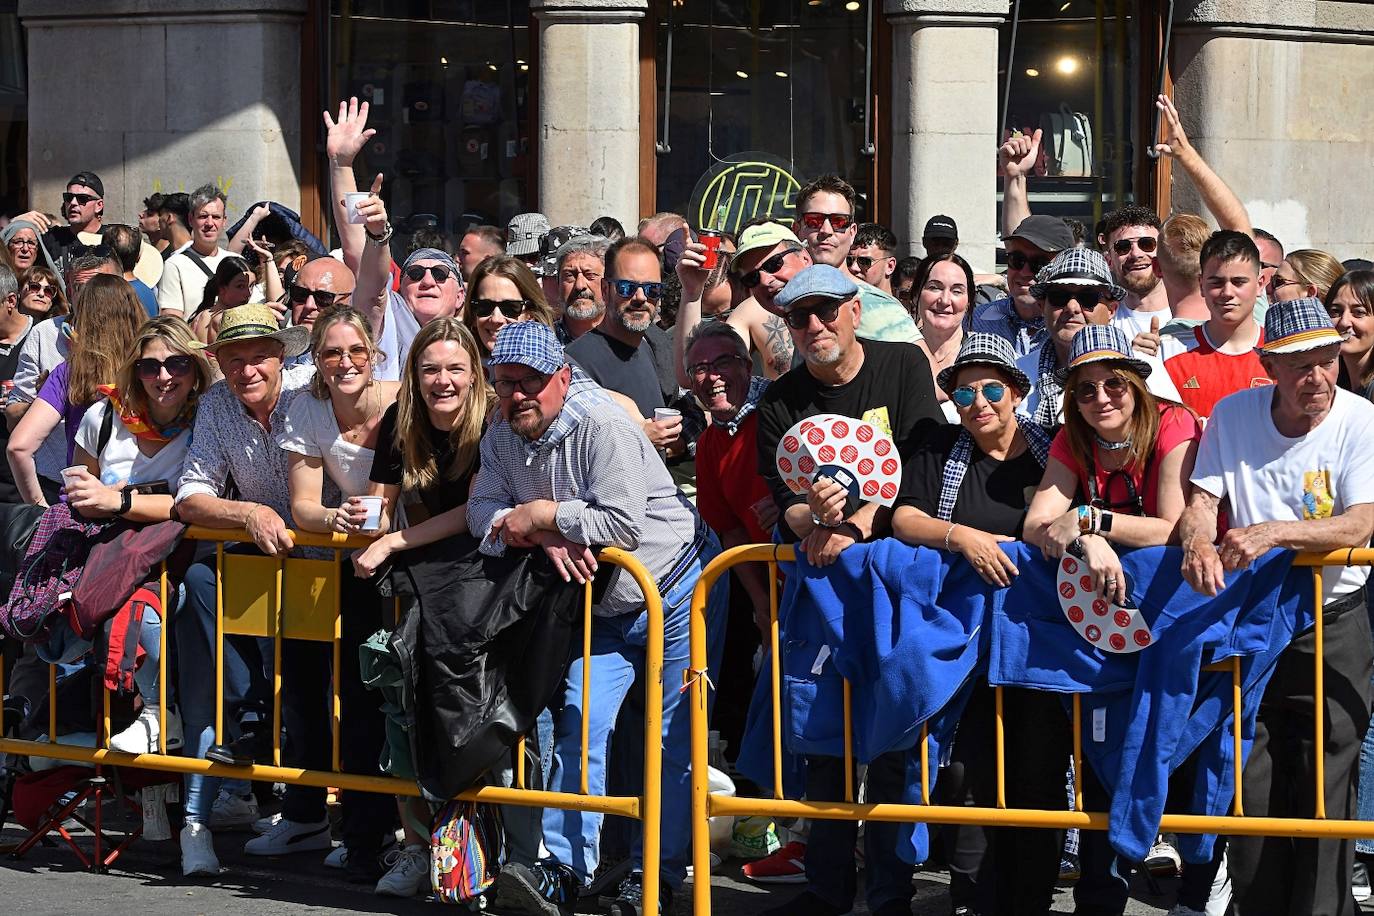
(1158,381)
(398,330)
(122,459)
(311,429)
(1269,477)
(183,282)
(1134,322)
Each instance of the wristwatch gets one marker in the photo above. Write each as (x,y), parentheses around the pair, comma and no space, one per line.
(1104,522)
(126,498)
(380,239)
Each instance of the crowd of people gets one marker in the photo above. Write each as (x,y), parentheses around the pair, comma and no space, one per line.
(564,388)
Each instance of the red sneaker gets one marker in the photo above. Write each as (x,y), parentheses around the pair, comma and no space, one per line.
(786,866)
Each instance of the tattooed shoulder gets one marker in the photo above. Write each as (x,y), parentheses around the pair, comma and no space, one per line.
(776,346)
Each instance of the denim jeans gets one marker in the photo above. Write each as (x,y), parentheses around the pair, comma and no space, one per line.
(617,656)
(1365,795)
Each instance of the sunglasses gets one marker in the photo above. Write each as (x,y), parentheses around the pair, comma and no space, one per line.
(770,266)
(863,261)
(1132,502)
(79,199)
(719,366)
(530,384)
(800,319)
(965,395)
(511,308)
(1088,298)
(1018,260)
(1086,392)
(839,222)
(323,298)
(334,356)
(100,251)
(625,289)
(46,289)
(148,368)
(1145,243)
(439,272)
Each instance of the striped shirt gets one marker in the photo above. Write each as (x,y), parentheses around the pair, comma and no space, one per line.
(611,487)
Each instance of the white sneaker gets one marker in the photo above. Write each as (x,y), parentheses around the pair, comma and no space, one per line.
(265,824)
(1163,858)
(155,825)
(198,851)
(336,859)
(141,736)
(232,811)
(408,876)
(288,837)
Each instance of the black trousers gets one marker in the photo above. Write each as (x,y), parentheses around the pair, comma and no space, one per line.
(1274,875)
(1007,870)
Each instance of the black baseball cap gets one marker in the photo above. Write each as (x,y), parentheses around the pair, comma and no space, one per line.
(88,180)
(941,227)
(1048,233)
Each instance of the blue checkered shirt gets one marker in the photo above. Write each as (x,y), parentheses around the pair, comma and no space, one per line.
(1001,318)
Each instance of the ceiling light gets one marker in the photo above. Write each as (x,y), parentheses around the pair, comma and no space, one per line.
(853,6)
(813,2)
(493,68)
(782,73)
(1031,71)
(524,67)
(444,61)
(1067,65)
(741,74)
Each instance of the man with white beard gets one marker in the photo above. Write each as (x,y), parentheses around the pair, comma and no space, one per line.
(581,266)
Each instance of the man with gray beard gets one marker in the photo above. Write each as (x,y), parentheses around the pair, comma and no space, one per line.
(580,269)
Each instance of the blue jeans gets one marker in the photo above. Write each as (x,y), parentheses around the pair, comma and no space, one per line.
(1365,794)
(617,657)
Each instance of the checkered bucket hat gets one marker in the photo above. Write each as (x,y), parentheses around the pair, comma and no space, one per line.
(1101,343)
(529,343)
(1296,326)
(1076,267)
(979,349)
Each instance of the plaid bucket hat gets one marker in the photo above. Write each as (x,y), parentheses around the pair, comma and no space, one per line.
(528,343)
(1296,326)
(524,233)
(979,349)
(1101,343)
(1076,267)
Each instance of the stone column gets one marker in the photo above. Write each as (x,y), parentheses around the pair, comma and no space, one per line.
(944,120)
(1276,98)
(589,109)
(165,94)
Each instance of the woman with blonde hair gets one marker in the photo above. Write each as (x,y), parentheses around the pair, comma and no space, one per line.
(108,319)
(502,291)
(128,458)
(1306,274)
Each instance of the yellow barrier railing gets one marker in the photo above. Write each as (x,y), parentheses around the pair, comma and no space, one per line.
(706,805)
(295,598)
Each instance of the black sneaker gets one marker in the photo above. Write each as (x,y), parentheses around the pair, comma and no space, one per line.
(1359,882)
(545,889)
(245,750)
(363,866)
(807,903)
(629,900)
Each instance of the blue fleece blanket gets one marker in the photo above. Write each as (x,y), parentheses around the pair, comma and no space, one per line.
(909,627)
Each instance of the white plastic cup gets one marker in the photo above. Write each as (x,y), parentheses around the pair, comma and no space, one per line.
(69,475)
(666,413)
(351,201)
(373,505)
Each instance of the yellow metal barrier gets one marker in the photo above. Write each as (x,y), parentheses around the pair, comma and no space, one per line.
(706,805)
(293,598)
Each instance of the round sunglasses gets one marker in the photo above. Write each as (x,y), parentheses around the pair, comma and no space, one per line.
(965,395)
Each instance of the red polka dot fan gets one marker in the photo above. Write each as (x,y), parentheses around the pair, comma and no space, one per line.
(1108,626)
(855,453)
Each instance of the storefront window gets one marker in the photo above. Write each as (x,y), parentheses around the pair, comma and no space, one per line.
(766,83)
(448,82)
(1076,74)
(14,117)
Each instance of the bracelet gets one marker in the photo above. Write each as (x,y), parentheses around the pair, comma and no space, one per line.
(949,532)
(1085,516)
(380,239)
(330,517)
(816,520)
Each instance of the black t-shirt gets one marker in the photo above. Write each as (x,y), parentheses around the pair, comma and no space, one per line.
(9,361)
(893,390)
(994,495)
(631,371)
(387,467)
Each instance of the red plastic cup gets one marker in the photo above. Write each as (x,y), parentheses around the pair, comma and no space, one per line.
(711,239)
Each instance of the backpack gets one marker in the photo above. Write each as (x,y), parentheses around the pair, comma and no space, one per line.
(467,849)
(47,575)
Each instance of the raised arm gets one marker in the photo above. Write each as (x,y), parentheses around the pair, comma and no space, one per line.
(346,138)
(1216,195)
(692,276)
(1018,157)
(245,233)
(374,271)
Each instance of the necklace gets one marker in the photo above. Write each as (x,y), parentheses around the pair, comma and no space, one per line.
(358,431)
(1107,446)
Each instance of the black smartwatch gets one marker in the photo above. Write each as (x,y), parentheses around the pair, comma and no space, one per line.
(126,497)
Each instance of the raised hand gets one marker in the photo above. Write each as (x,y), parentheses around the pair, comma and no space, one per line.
(349,134)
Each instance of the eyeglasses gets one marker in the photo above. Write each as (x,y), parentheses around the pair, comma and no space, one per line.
(44,289)
(1018,260)
(863,261)
(334,356)
(1086,392)
(323,298)
(80,199)
(719,366)
(530,385)
(17,242)
(1088,298)
(1281,282)
(625,289)
(770,266)
(148,368)
(511,308)
(439,272)
(965,395)
(839,222)
(800,319)
(1145,243)
(100,251)
(1265,265)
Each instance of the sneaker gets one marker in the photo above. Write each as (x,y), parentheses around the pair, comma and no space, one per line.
(141,735)
(808,903)
(1163,859)
(786,866)
(408,876)
(155,825)
(234,812)
(288,837)
(544,889)
(630,899)
(265,824)
(198,851)
(609,874)
(1359,882)
(336,859)
(1069,869)
(753,838)
(363,868)
(245,750)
